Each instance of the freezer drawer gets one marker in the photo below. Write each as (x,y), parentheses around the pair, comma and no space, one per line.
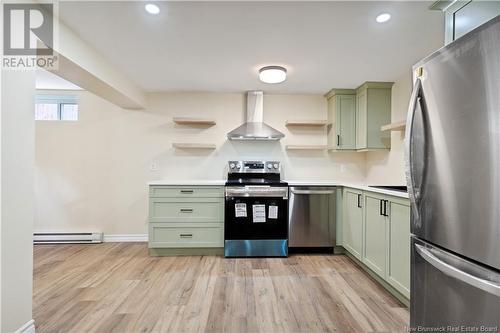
(312,217)
(448,291)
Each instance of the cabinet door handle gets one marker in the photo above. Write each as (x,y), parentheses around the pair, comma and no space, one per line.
(186,235)
(359,201)
(187,191)
(338,140)
(381,202)
(385,207)
(186,210)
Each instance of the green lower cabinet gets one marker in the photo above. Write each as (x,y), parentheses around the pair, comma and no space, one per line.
(352,228)
(186,235)
(375,234)
(376,231)
(185,209)
(398,270)
(162,191)
(186,220)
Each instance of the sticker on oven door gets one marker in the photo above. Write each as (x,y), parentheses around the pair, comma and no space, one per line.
(273,212)
(240,210)
(259,213)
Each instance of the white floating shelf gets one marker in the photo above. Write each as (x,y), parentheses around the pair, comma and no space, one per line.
(306,147)
(399,126)
(193,121)
(306,123)
(185,145)
(335,150)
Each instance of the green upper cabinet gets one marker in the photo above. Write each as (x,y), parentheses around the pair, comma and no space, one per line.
(373,110)
(342,119)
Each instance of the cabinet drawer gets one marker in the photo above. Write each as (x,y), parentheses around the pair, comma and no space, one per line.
(186,210)
(186,192)
(175,235)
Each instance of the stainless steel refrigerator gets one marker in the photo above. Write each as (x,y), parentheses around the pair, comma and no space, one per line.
(453,173)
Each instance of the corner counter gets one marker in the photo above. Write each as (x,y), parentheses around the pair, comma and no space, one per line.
(191,182)
(186,217)
(358,186)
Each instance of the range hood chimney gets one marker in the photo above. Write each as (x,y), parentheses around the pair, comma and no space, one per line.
(255,128)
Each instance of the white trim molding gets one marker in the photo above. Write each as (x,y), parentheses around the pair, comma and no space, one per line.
(29,327)
(125,238)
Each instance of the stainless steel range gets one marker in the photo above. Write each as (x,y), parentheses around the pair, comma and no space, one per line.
(256,211)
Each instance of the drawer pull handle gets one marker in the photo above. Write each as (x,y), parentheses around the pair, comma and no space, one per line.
(186,235)
(186,210)
(187,191)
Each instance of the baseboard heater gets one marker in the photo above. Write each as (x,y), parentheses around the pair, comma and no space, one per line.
(67,237)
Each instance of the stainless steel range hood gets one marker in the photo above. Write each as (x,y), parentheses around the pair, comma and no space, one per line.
(255,128)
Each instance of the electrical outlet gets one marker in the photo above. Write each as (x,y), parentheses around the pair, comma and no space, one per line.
(343,168)
(154,166)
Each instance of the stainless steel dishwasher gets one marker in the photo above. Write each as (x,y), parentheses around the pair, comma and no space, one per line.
(311,217)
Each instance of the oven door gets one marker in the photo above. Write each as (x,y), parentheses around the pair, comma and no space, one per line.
(256,221)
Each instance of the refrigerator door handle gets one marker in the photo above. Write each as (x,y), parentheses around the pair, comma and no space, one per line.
(492,287)
(414,100)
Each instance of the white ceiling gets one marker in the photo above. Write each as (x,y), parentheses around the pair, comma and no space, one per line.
(219,46)
(47,80)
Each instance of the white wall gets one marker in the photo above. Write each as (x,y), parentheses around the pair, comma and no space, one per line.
(91,175)
(17,152)
(388,167)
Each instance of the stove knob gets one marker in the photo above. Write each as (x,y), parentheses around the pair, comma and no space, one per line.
(238,166)
(276,165)
(232,165)
(269,166)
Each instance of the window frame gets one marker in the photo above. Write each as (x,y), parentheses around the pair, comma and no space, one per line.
(60,100)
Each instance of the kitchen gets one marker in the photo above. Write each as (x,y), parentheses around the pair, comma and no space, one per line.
(216,200)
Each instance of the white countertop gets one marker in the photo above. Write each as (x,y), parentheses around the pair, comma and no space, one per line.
(190,182)
(220,182)
(363,187)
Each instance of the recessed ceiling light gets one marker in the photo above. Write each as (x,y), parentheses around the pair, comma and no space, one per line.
(384,17)
(272,74)
(152,9)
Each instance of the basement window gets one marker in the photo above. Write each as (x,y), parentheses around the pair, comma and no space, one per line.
(52,107)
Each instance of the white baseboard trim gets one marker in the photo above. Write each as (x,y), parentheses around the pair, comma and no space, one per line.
(29,327)
(125,238)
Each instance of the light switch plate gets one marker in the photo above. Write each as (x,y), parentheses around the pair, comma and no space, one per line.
(154,166)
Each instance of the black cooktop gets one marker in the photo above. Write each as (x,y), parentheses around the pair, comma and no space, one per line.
(399,188)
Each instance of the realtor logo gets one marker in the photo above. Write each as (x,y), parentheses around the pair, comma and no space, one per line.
(24,24)
(28,35)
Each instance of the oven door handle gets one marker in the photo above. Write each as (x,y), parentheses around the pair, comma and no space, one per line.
(271,192)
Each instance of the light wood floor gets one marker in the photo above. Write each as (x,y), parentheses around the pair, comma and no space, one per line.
(117,287)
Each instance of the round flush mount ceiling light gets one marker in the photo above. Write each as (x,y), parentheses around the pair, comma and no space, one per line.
(384,17)
(272,74)
(152,8)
